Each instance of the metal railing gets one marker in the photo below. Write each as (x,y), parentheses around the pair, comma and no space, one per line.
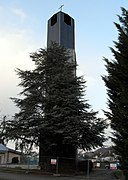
(53,165)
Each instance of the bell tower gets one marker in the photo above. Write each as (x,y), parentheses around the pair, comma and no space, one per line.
(61,30)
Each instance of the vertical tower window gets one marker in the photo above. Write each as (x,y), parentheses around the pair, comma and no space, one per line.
(53,19)
(67,19)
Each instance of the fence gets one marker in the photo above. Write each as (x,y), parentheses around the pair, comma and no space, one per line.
(53,165)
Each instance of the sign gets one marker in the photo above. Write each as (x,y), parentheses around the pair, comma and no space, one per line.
(53,161)
(98,165)
(113,166)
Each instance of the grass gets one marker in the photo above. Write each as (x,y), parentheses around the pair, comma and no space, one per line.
(118,174)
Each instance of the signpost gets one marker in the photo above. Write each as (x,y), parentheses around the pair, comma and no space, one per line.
(55,162)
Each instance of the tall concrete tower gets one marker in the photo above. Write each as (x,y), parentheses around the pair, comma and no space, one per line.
(61,30)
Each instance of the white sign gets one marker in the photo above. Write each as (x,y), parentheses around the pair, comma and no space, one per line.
(53,161)
(113,166)
(98,165)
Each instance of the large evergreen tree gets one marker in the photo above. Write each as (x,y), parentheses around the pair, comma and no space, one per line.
(117,88)
(53,111)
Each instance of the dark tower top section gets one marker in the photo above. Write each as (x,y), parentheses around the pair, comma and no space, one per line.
(61,30)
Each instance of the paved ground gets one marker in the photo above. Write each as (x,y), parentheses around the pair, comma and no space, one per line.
(100,174)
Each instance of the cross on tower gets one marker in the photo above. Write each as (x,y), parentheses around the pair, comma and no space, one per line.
(61,7)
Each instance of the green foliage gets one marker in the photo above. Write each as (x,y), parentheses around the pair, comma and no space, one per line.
(53,111)
(3,137)
(118,174)
(117,88)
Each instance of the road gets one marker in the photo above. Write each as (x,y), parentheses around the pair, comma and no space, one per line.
(95,175)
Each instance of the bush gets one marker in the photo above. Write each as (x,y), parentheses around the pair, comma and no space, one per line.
(118,174)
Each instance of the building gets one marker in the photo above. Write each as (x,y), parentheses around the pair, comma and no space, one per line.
(9,156)
(61,30)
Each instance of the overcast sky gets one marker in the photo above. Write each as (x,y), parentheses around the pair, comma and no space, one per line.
(23,29)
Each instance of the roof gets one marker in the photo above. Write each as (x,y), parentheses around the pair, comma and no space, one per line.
(4,149)
(104,152)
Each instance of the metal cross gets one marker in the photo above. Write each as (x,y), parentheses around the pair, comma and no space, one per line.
(61,7)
